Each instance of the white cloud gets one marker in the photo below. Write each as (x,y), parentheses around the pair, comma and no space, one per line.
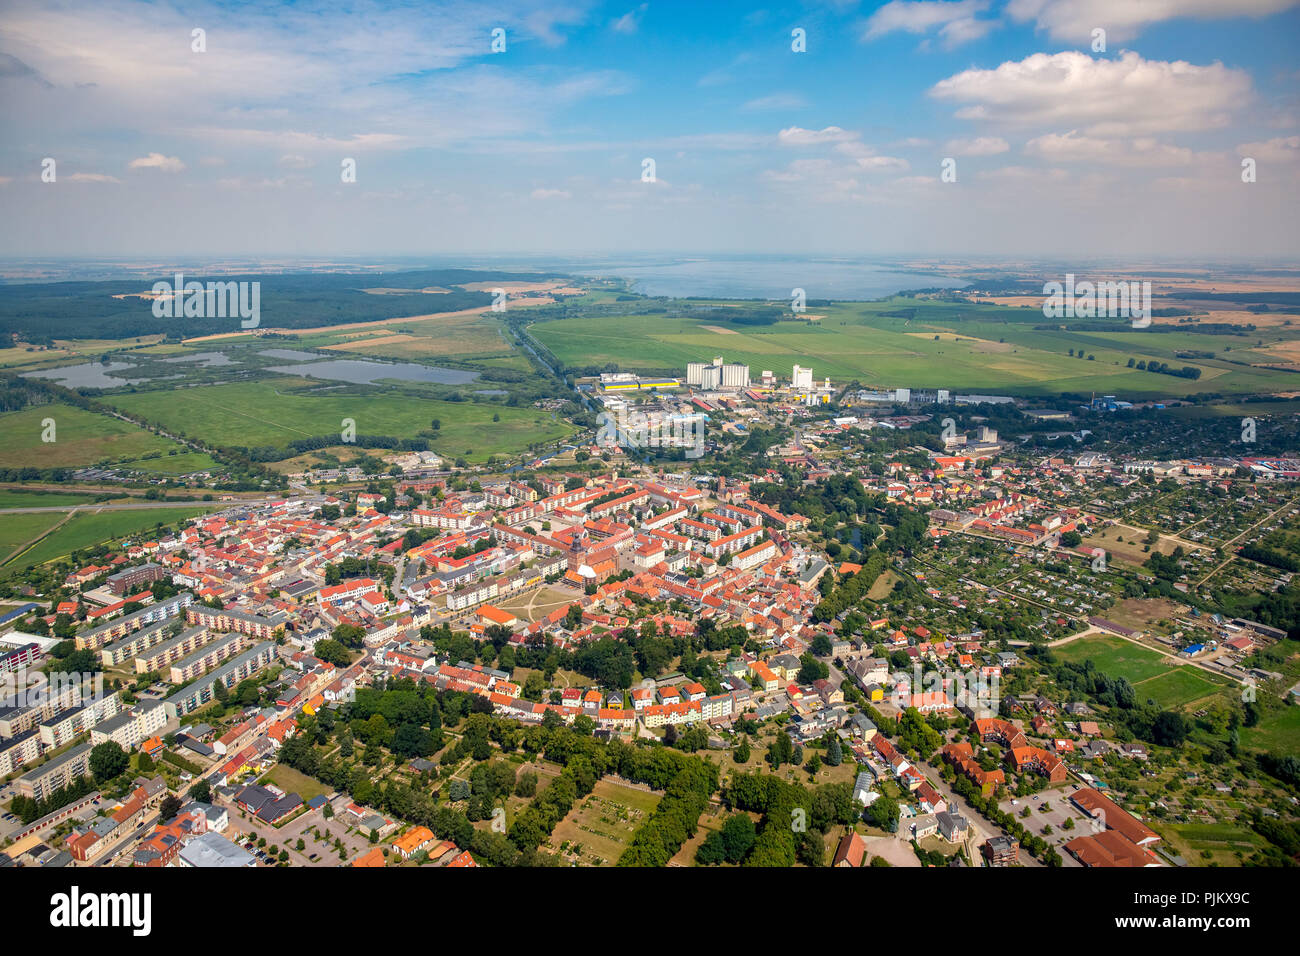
(168,164)
(1282,150)
(979,146)
(955,20)
(777,101)
(91,178)
(1073,21)
(294,161)
(867,158)
(798,136)
(629,21)
(1126,96)
(1141,151)
(550,194)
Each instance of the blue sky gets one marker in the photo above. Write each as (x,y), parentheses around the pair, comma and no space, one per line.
(1058,149)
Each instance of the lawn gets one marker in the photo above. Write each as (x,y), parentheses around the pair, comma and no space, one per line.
(544,600)
(273,413)
(81,438)
(292,781)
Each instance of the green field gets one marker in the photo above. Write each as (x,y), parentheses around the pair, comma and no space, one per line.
(86,529)
(178,464)
(1152,675)
(1221,840)
(1115,657)
(272,413)
(1178,687)
(81,438)
(17,530)
(989,348)
(38,499)
(1278,731)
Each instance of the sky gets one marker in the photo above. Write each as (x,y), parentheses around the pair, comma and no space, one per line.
(1055,140)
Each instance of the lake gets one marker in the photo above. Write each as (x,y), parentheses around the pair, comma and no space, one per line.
(772,278)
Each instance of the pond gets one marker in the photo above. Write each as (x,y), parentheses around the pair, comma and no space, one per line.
(361,372)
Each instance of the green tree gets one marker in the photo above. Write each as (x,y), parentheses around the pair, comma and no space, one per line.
(108,760)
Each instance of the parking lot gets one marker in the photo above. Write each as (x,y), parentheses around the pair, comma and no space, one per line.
(303,828)
(1059,810)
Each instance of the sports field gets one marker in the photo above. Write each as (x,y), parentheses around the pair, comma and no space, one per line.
(1152,675)
(273,413)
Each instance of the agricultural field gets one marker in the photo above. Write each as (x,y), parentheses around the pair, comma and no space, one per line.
(81,438)
(920,344)
(272,413)
(18,530)
(457,336)
(599,828)
(39,499)
(85,529)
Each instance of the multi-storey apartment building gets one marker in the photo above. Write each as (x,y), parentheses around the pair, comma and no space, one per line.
(168,652)
(207,657)
(129,623)
(64,726)
(193,696)
(56,774)
(263,628)
(132,727)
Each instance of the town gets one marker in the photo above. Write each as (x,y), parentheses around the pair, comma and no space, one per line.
(846,638)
